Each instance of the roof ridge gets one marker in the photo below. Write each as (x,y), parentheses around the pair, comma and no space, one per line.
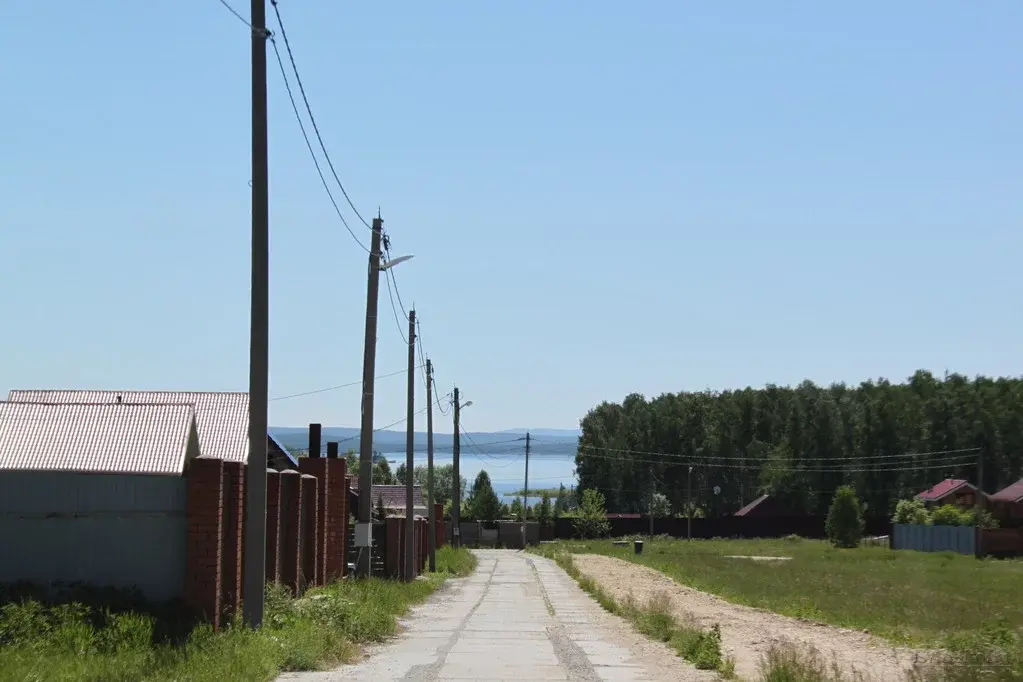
(120,390)
(93,404)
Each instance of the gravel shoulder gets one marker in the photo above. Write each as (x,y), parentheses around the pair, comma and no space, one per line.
(748,633)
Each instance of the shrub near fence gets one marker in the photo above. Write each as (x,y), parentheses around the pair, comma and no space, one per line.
(722,527)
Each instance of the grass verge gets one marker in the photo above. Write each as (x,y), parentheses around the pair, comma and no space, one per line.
(72,641)
(700,647)
(909,598)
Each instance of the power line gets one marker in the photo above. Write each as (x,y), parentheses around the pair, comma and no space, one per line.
(235,12)
(390,295)
(334,388)
(909,455)
(697,462)
(312,119)
(309,146)
(421,410)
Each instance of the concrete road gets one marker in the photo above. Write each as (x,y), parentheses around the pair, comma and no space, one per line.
(519,617)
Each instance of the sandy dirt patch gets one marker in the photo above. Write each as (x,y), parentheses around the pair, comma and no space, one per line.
(748,633)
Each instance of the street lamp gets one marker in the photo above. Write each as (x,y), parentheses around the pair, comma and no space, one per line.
(456,497)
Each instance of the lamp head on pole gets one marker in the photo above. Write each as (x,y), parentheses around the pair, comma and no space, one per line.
(386,265)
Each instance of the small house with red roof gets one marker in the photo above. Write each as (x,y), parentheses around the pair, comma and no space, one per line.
(1007,503)
(954,491)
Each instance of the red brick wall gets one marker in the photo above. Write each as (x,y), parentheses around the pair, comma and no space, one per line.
(306,531)
(273,526)
(205,506)
(291,529)
(332,516)
(234,519)
(310,532)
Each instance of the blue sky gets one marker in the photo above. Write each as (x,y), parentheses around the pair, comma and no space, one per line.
(651,196)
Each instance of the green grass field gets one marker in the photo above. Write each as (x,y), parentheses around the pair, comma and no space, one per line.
(907,597)
(325,628)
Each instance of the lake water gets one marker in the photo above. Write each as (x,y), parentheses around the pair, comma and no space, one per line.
(507,470)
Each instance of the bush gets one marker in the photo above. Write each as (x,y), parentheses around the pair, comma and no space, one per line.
(592,519)
(911,512)
(844,526)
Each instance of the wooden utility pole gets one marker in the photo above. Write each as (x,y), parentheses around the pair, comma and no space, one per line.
(689,504)
(650,509)
(525,495)
(456,488)
(410,456)
(259,343)
(364,527)
(431,513)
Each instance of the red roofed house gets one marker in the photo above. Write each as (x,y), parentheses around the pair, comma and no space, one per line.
(392,497)
(1008,502)
(954,491)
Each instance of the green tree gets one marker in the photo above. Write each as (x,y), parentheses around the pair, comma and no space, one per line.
(545,512)
(443,480)
(911,512)
(844,526)
(660,506)
(381,510)
(515,509)
(483,503)
(562,503)
(592,519)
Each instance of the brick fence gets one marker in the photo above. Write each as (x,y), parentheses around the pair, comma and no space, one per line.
(306,531)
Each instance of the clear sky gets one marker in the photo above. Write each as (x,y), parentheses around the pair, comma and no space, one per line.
(601,197)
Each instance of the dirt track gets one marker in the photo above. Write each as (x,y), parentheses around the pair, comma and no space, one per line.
(748,633)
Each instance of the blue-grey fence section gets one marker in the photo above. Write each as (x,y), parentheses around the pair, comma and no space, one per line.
(105,530)
(961,539)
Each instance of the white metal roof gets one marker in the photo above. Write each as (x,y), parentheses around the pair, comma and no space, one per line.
(93,438)
(222,418)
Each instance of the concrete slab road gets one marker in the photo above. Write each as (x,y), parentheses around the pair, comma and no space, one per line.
(519,617)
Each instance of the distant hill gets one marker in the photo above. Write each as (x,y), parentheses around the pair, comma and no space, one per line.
(546,441)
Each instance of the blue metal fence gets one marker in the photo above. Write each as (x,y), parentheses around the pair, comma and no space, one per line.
(961,539)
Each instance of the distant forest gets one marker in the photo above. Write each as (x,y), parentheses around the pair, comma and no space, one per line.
(889,441)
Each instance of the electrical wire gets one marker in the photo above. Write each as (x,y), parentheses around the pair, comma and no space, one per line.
(910,455)
(334,388)
(698,463)
(309,146)
(397,322)
(235,12)
(312,119)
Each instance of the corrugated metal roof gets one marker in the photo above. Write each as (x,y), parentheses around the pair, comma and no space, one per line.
(222,418)
(942,489)
(94,438)
(394,496)
(1013,493)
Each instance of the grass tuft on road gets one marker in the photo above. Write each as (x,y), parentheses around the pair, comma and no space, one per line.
(324,628)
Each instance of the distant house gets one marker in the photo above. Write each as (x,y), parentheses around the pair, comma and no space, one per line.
(954,491)
(392,497)
(222,418)
(96,493)
(765,505)
(623,516)
(1007,503)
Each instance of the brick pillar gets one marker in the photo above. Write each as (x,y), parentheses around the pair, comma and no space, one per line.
(205,518)
(291,528)
(273,526)
(310,532)
(332,516)
(234,518)
(438,515)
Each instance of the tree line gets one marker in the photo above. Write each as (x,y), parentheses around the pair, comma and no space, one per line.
(800,444)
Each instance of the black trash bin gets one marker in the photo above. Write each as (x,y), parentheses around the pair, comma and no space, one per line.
(637,546)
